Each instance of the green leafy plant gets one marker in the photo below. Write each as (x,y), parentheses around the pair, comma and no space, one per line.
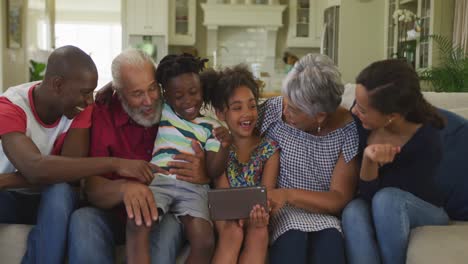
(36,70)
(451,75)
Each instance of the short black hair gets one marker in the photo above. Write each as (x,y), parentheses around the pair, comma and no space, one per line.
(173,65)
(69,62)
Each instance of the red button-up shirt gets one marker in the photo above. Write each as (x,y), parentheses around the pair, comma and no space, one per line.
(115,134)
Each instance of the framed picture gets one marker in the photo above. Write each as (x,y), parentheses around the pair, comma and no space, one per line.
(14,24)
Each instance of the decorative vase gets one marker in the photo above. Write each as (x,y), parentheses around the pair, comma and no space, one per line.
(409,54)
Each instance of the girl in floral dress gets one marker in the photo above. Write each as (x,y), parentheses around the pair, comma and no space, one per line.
(253,161)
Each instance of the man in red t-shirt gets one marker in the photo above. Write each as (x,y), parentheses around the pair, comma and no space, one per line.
(38,120)
(125,126)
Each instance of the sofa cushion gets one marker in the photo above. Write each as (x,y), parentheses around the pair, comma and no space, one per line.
(13,239)
(452,175)
(13,242)
(438,244)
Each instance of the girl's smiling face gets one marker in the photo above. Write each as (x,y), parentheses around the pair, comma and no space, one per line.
(184,95)
(241,114)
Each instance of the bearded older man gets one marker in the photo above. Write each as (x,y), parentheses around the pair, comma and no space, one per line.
(125,126)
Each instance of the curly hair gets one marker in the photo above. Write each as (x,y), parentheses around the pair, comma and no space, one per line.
(218,87)
(172,66)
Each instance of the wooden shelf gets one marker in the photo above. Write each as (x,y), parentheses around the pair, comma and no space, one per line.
(404,2)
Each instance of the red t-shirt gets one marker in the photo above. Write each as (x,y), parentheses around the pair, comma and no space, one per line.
(13,119)
(115,134)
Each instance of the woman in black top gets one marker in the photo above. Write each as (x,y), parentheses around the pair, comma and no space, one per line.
(400,151)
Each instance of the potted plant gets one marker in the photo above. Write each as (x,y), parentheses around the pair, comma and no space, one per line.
(451,74)
(36,70)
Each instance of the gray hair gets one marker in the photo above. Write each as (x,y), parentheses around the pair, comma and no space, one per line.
(132,57)
(314,85)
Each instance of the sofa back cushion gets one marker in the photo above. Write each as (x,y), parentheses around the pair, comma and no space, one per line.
(452,175)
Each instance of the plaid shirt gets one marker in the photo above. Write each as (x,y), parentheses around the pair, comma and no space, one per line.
(306,162)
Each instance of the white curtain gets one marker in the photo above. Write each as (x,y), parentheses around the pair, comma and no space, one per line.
(460,24)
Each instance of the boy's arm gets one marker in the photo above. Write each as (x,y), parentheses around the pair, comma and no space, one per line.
(216,162)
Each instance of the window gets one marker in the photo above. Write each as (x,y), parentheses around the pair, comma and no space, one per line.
(101,41)
(93,26)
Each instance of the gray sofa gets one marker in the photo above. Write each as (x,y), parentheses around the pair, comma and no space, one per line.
(13,245)
(429,244)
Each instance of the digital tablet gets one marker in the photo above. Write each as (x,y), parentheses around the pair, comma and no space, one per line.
(235,203)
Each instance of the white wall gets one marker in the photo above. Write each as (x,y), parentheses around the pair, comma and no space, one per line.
(105,11)
(17,70)
(2,40)
(361,35)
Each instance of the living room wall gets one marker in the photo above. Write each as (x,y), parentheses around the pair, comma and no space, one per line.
(361,35)
(2,44)
(17,70)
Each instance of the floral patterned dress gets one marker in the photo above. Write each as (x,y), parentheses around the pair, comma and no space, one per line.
(248,174)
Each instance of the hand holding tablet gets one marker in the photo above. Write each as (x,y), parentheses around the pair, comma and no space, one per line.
(235,203)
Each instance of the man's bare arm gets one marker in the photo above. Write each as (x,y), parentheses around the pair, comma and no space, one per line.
(102,192)
(13,180)
(138,199)
(76,143)
(47,169)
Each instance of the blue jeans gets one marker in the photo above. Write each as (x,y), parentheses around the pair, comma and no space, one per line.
(380,234)
(294,246)
(95,232)
(50,212)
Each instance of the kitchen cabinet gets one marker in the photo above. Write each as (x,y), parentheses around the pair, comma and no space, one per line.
(146,17)
(305,23)
(182,22)
(433,16)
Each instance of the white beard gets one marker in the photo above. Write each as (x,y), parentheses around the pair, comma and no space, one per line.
(136,114)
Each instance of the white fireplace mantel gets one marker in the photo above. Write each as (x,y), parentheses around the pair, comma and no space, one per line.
(267,18)
(247,15)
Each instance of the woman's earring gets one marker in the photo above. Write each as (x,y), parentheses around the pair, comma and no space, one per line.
(389,121)
(319,129)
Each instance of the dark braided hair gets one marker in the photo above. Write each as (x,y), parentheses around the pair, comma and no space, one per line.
(218,87)
(393,87)
(172,66)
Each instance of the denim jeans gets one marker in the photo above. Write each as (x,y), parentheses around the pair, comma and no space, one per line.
(379,232)
(50,212)
(95,232)
(294,246)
